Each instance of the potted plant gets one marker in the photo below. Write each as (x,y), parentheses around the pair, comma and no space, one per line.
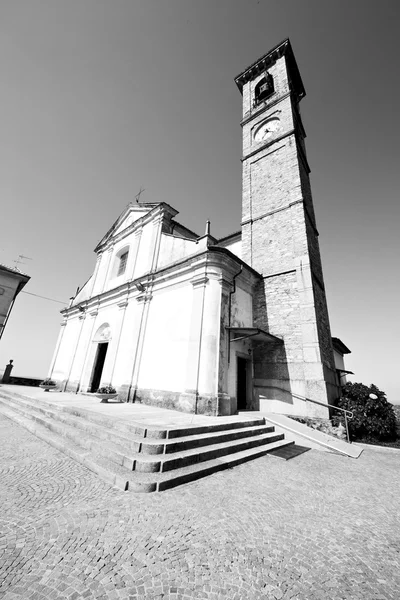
(106,392)
(48,384)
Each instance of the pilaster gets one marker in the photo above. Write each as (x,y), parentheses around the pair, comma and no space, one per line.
(199,283)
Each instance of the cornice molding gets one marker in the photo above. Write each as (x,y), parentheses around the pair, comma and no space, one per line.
(273,212)
(267,61)
(266,106)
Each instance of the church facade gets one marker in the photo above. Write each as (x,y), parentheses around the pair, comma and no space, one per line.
(210,326)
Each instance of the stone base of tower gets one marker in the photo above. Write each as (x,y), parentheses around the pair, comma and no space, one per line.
(297,396)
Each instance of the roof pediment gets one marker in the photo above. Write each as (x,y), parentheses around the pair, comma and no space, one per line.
(133,212)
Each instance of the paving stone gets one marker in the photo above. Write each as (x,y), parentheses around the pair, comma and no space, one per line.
(318,527)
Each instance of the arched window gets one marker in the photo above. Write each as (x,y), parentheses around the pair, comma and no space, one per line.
(120,262)
(123,259)
(264,89)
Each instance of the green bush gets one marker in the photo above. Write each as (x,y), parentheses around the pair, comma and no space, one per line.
(373,416)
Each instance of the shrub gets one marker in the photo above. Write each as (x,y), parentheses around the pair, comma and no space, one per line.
(106,389)
(373,416)
(48,382)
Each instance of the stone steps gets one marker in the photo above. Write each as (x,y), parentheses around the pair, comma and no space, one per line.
(137,458)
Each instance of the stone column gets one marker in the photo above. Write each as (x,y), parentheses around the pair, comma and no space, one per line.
(96,271)
(110,251)
(93,314)
(58,345)
(82,319)
(189,398)
(156,241)
(135,249)
(207,389)
(139,333)
(224,400)
(121,318)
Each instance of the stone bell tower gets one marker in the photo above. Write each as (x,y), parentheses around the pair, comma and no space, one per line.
(280,238)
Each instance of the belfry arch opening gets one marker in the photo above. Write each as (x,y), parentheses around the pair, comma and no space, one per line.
(264,89)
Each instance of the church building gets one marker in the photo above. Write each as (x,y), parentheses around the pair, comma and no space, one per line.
(212,326)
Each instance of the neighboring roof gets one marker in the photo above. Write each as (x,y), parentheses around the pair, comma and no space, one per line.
(14,270)
(23,277)
(175,223)
(266,61)
(230,236)
(223,250)
(258,335)
(339,346)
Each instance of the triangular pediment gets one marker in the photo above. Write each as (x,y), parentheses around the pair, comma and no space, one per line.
(132,213)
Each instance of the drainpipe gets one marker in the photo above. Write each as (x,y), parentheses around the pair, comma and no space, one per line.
(233,291)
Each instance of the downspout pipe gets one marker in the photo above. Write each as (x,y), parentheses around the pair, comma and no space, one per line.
(233,291)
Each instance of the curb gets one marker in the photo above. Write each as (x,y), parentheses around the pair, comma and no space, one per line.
(375,447)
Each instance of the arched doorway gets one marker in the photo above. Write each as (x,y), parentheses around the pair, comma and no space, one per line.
(101,340)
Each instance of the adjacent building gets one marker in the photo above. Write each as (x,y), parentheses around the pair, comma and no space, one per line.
(12,282)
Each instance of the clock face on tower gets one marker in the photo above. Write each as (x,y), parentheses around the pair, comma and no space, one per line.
(266,129)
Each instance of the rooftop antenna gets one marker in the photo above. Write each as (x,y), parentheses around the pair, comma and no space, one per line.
(139,194)
(20,260)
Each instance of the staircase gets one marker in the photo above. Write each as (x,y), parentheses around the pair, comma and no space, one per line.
(136,458)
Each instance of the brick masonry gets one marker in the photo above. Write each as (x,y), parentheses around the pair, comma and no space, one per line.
(280,240)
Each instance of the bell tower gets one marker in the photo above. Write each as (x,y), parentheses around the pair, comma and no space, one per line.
(280,238)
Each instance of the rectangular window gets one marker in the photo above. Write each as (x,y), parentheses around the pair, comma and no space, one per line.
(123,259)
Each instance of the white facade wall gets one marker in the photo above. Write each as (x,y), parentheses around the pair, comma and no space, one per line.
(175,248)
(66,351)
(167,327)
(163,320)
(235,247)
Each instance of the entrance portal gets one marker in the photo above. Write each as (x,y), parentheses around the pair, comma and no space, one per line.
(241,387)
(98,366)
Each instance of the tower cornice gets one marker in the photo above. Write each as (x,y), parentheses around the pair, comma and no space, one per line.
(269,59)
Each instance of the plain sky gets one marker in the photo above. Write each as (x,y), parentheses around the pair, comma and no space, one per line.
(99,98)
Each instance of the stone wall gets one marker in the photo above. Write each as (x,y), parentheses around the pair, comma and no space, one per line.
(29,381)
(280,241)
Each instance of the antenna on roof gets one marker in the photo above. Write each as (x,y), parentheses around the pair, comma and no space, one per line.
(20,260)
(139,193)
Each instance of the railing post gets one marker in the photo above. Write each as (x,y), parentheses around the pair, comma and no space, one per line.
(347,427)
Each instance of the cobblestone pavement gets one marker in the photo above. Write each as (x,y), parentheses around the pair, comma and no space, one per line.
(320,526)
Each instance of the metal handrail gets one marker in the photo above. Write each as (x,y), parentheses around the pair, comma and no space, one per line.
(348,414)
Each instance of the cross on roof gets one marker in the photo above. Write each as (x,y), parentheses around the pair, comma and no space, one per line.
(139,193)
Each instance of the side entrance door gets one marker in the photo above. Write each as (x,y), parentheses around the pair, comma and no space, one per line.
(241,392)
